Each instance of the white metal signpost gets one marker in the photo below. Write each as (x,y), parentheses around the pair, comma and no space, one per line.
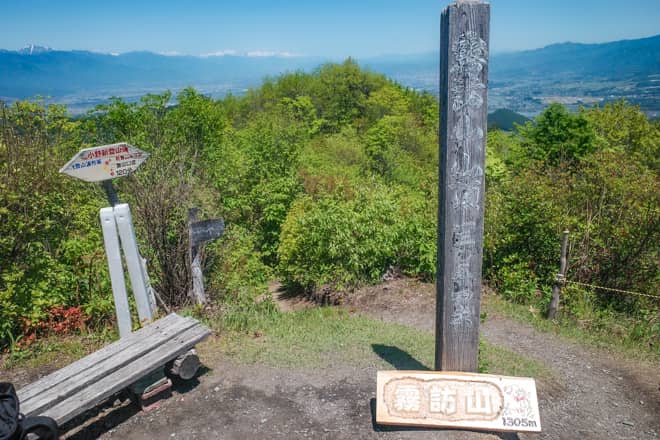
(102,164)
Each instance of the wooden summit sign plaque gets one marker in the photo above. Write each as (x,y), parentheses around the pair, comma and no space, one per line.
(457,400)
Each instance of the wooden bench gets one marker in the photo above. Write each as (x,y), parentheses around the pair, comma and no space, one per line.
(84,384)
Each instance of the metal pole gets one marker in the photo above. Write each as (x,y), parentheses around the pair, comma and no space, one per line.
(110,192)
(133,261)
(116,269)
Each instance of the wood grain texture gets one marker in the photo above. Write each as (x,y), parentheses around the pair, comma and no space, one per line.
(85,383)
(463,120)
(457,400)
(559,280)
(133,262)
(90,374)
(120,379)
(197,292)
(116,271)
(44,384)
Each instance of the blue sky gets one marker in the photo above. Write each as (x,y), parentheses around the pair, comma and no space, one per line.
(331,28)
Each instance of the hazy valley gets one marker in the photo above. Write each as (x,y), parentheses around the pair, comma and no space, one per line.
(525,82)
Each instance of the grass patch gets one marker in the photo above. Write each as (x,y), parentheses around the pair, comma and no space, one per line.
(610,332)
(324,336)
(54,351)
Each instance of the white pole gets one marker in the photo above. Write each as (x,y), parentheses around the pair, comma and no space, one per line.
(133,261)
(116,271)
(147,283)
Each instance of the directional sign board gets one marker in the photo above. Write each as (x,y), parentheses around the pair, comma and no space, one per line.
(457,400)
(207,230)
(105,162)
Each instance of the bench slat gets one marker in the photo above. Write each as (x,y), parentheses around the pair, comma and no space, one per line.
(125,376)
(136,338)
(91,373)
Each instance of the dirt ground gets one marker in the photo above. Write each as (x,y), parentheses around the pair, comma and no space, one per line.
(593,395)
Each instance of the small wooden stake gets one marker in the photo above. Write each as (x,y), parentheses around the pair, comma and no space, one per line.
(197,292)
(559,281)
(463,84)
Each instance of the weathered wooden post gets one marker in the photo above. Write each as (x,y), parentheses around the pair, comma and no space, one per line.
(464,40)
(197,287)
(456,396)
(559,281)
(199,232)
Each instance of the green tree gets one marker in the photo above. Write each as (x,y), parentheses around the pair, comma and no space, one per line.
(557,137)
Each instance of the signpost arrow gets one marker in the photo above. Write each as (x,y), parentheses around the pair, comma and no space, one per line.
(206,230)
(105,162)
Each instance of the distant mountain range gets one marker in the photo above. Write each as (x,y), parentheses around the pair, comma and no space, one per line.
(521,81)
(570,73)
(81,76)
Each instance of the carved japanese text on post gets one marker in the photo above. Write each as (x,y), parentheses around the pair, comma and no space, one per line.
(466,91)
(459,400)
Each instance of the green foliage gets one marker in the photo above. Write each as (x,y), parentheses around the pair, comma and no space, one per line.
(557,137)
(615,216)
(517,282)
(603,191)
(339,241)
(522,225)
(350,240)
(48,245)
(323,178)
(620,126)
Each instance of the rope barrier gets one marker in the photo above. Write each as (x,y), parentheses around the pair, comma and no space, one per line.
(611,289)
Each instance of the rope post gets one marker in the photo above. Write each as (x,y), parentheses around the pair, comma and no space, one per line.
(560,280)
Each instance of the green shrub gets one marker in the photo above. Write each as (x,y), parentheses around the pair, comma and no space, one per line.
(339,241)
(348,241)
(240,279)
(518,283)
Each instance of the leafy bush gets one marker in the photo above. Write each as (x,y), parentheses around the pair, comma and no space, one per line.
(240,279)
(558,137)
(348,241)
(327,178)
(49,239)
(517,282)
(606,198)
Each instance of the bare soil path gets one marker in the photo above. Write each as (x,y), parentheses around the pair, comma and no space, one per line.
(594,395)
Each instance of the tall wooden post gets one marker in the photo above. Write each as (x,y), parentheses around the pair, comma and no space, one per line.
(463,84)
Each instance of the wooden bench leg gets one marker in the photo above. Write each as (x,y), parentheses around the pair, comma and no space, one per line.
(186,365)
(152,400)
(152,389)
